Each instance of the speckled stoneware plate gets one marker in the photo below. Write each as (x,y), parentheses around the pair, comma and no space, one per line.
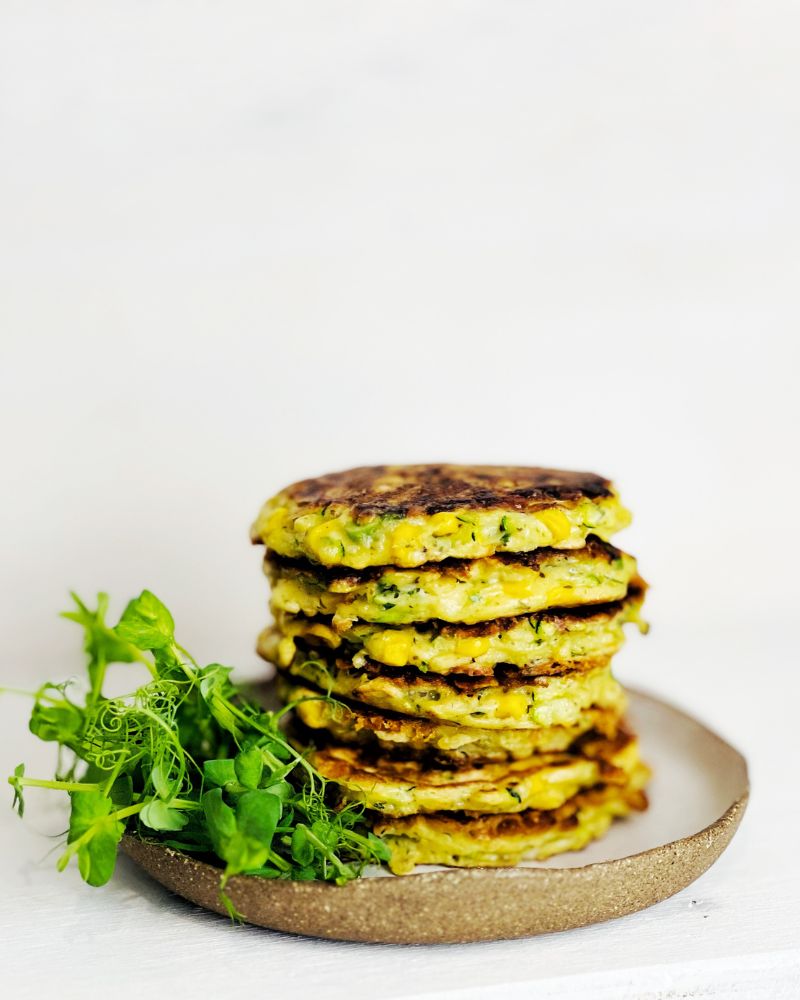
(697,796)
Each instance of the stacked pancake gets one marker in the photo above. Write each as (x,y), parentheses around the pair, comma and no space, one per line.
(445,634)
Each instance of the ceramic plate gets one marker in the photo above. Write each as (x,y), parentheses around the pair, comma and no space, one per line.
(697,796)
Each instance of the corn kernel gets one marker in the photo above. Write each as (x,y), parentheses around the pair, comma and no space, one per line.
(390,647)
(556,522)
(323,543)
(517,588)
(313,714)
(285,651)
(444,523)
(305,522)
(404,537)
(328,636)
(472,647)
(511,706)
(560,595)
(276,520)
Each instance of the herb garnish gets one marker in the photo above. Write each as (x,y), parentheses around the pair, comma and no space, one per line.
(187,760)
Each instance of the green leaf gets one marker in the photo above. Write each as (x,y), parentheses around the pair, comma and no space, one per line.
(302,848)
(59,721)
(121,793)
(214,686)
(242,838)
(146,623)
(281,790)
(221,820)
(266,872)
(379,847)
(219,772)
(101,641)
(158,816)
(91,821)
(164,789)
(304,874)
(249,765)
(257,815)
(276,748)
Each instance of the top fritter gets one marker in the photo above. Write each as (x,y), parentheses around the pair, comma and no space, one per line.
(407,515)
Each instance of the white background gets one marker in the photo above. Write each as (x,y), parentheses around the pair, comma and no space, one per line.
(246,243)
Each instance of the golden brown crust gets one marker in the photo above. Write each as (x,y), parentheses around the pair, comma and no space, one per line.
(489,826)
(340,578)
(403,490)
(349,763)
(502,676)
(445,743)
(369,720)
(562,618)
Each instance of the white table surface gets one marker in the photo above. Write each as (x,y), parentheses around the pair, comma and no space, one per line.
(733,933)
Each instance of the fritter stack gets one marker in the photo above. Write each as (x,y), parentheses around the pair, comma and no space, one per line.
(462,620)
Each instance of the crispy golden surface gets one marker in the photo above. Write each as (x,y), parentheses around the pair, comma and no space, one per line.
(466,591)
(532,643)
(410,515)
(515,702)
(404,787)
(426,489)
(446,742)
(499,840)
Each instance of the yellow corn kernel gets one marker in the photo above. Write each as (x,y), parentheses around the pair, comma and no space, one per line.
(328,636)
(517,588)
(512,705)
(472,647)
(444,523)
(313,713)
(404,537)
(560,595)
(390,647)
(276,520)
(305,522)
(323,543)
(285,651)
(556,522)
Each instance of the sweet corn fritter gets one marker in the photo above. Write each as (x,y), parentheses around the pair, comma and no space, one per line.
(400,787)
(517,702)
(531,643)
(461,591)
(352,723)
(498,840)
(410,515)
(443,638)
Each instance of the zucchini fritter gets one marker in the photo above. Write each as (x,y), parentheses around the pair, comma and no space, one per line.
(455,591)
(516,702)
(530,643)
(398,787)
(413,514)
(446,742)
(443,637)
(501,840)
